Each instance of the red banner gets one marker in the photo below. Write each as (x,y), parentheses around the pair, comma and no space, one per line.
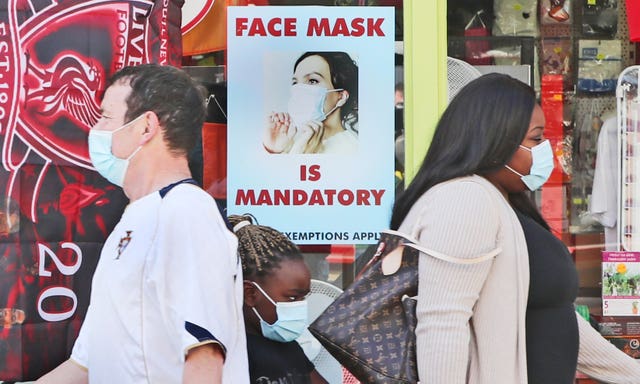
(55,210)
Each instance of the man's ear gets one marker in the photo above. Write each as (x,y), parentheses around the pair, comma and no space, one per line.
(151,126)
(344,96)
(250,293)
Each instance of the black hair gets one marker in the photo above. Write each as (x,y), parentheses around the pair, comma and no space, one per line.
(478,133)
(344,75)
(261,248)
(172,95)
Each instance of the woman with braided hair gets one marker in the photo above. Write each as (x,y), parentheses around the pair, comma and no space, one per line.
(276,284)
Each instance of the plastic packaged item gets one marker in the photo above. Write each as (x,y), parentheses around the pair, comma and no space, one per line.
(599,64)
(600,18)
(555,12)
(476,50)
(633,18)
(556,57)
(515,18)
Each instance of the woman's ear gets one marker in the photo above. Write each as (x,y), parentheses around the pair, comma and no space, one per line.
(344,96)
(250,293)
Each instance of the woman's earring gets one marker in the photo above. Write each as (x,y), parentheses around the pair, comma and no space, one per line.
(343,99)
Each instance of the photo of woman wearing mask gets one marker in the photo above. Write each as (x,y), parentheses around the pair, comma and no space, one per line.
(322,113)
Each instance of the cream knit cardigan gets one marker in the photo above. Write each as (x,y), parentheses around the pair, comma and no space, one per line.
(471,318)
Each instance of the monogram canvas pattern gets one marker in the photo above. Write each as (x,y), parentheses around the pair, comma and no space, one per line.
(370,329)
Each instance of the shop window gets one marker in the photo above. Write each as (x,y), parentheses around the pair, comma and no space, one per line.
(574,52)
(333,263)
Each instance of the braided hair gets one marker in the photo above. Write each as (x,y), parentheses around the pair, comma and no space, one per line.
(261,248)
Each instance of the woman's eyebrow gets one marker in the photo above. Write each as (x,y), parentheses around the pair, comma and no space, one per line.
(306,76)
(314,73)
(540,127)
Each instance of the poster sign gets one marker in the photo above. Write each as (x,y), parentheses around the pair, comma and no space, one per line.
(311,120)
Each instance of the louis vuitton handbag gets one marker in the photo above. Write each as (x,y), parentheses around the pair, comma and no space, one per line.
(370,327)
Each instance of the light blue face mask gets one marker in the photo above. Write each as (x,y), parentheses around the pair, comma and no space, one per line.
(541,166)
(291,322)
(109,166)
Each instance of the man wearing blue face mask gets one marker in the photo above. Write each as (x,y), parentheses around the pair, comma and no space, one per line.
(169,254)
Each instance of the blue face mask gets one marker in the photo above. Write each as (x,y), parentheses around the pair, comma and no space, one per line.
(292,319)
(541,166)
(109,166)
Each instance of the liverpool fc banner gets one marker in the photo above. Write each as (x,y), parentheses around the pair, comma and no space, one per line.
(55,210)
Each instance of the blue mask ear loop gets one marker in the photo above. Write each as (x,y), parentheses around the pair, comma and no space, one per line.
(513,170)
(265,295)
(541,167)
(123,127)
(129,123)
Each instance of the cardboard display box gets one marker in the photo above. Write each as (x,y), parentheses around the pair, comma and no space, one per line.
(622,331)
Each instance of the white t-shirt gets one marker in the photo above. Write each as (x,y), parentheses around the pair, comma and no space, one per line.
(168,279)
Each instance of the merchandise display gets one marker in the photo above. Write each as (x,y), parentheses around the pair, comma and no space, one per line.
(629,131)
(600,18)
(476,51)
(599,64)
(603,205)
(622,331)
(556,57)
(515,18)
(633,12)
(555,12)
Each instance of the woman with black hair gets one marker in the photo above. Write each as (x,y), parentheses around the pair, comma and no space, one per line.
(322,115)
(509,319)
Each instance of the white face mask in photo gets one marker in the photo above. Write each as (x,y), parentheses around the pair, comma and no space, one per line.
(110,167)
(307,103)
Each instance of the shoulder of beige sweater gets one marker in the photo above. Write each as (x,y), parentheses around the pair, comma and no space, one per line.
(473,187)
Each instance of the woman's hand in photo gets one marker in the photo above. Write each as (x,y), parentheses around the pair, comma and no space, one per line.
(307,137)
(279,132)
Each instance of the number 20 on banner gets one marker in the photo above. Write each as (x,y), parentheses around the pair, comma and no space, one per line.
(57,291)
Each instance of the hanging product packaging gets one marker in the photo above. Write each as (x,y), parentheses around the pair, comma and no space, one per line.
(555,12)
(600,18)
(55,210)
(599,64)
(586,138)
(633,18)
(556,58)
(476,48)
(515,18)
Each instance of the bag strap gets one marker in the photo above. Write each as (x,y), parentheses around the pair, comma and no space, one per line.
(413,243)
(456,260)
